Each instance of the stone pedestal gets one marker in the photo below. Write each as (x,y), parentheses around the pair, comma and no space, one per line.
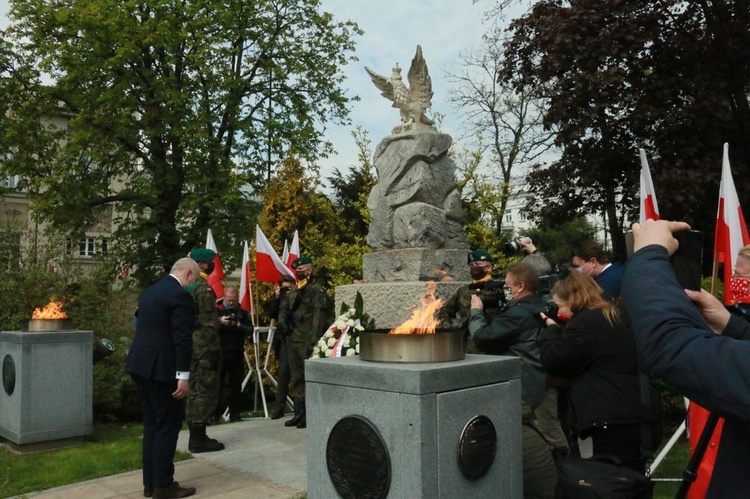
(47,385)
(438,430)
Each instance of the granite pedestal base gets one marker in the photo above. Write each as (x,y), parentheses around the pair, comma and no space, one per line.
(435,430)
(47,385)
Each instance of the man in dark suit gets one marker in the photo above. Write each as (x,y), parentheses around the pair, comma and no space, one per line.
(159,362)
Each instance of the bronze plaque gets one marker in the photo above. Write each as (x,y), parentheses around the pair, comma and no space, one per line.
(357,459)
(9,375)
(477,447)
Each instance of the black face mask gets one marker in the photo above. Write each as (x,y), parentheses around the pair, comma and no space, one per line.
(477,273)
(301,276)
(209,268)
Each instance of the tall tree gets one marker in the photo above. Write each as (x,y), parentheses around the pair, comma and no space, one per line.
(503,122)
(166,110)
(667,75)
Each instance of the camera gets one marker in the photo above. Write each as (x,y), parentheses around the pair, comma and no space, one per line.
(490,292)
(517,245)
(232,318)
(283,290)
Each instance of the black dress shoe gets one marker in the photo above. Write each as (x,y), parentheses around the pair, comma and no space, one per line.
(278,413)
(148,490)
(173,491)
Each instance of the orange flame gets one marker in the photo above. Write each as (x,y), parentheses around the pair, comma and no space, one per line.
(53,310)
(422,320)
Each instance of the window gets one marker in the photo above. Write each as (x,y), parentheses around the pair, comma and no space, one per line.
(88,247)
(10,182)
(509,217)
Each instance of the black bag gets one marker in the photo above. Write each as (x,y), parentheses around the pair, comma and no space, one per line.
(600,477)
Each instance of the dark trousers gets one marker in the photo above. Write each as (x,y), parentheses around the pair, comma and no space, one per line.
(233,366)
(620,441)
(162,421)
(284,374)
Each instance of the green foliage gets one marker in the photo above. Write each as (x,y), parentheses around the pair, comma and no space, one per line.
(169,111)
(637,74)
(115,395)
(559,242)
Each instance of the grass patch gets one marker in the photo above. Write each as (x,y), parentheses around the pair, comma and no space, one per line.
(672,467)
(112,449)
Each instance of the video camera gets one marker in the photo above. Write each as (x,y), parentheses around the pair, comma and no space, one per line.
(490,292)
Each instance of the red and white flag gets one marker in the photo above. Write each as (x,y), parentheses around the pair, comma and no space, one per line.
(215,277)
(246,289)
(285,253)
(293,250)
(649,206)
(731,230)
(268,265)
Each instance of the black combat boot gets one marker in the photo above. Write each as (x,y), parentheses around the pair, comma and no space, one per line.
(297,415)
(302,423)
(199,442)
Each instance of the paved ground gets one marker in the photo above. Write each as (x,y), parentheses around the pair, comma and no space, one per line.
(262,459)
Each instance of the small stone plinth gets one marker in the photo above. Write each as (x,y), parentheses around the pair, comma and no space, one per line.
(433,430)
(47,383)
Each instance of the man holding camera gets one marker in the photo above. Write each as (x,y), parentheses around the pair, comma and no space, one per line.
(235,326)
(456,309)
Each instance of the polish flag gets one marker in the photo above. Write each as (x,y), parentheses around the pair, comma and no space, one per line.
(268,265)
(731,230)
(285,253)
(696,420)
(246,289)
(293,250)
(214,279)
(649,206)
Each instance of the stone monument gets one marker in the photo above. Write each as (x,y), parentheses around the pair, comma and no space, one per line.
(415,208)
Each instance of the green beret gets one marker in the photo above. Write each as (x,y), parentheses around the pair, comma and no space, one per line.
(203,255)
(479,256)
(303,260)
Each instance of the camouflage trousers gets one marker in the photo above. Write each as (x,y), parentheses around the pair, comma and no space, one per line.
(297,356)
(203,396)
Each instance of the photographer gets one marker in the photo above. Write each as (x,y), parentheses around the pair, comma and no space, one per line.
(675,341)
(235,326)
(456,309)
(533,257)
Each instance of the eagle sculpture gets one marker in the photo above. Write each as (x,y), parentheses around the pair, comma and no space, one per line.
(412,101)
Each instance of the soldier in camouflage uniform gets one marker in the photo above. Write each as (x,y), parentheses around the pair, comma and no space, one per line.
(303,319)
(456,310)
(206,361)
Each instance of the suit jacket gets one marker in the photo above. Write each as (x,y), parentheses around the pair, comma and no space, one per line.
(164,333)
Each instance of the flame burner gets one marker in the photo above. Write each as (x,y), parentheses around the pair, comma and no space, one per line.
(443,346)
(47,325)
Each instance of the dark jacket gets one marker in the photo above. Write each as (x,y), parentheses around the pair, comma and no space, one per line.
(164,332)
(304,314)
(232,338)
(676,344)
(611,280)
(601,362)
(514,331)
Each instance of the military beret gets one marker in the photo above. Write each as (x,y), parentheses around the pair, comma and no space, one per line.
(203,255)
(303,260)
(479,256)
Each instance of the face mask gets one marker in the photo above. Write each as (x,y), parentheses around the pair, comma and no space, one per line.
(228,305)
(190,288)
(740,287)
(508,294)
(210,268)
(477,273)
(563,316)
(301,276)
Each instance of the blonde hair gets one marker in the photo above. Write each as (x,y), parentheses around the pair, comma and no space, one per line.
(744,252)
(581,292)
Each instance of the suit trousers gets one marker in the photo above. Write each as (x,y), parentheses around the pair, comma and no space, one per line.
(162,421)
